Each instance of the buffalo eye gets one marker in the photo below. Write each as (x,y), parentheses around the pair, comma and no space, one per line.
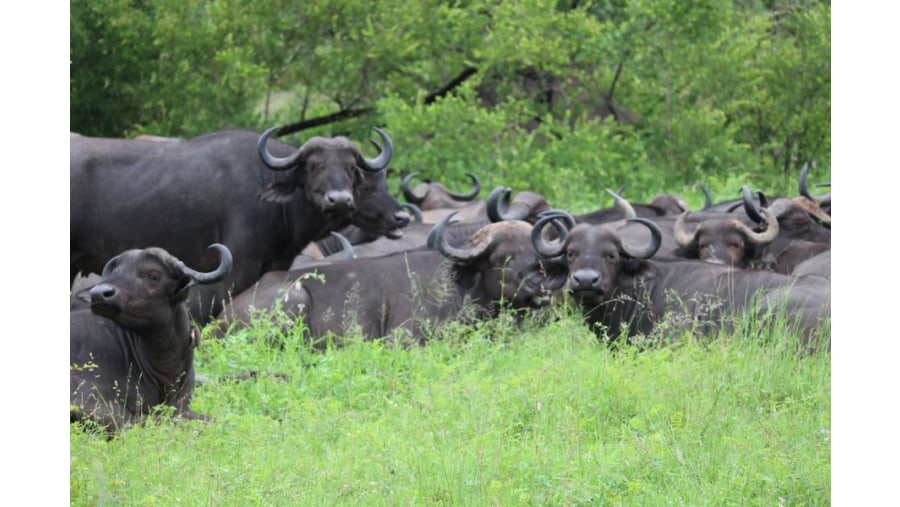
(570,255)
(153,276)
(609,256)
(797,225)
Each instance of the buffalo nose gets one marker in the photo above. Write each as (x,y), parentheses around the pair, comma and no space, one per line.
(102,293)
(401,218)
(584,278)
(339,200)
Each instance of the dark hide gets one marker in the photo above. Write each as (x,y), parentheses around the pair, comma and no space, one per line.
(185,195)
(415,235)
(409,291)
(619,294)
(722,238)
(133,350)
(819,265)
(786,255)
(801,219)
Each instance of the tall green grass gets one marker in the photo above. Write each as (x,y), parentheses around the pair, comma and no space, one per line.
(502,413)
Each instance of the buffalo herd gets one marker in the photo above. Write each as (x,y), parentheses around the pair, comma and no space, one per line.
(176,234)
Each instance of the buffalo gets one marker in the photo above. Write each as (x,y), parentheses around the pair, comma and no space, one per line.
(621,291)
(265,200)
(435,200)
(726,239)
(430,195)
(753,239)
(528,205)
(133,349)
(819,265)
(401,296)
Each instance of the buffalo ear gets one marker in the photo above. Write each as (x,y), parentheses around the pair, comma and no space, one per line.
(181,291)
(466,277)
(278,191)
(84,295)
(476,279)
(556,270)
(632,266)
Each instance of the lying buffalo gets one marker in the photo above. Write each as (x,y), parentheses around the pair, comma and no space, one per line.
(402,296)
(750,238)
(133,350)
(621,291)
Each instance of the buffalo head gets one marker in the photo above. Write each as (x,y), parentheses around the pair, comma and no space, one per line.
(500,257)
(139,288)
(728,240)
(594,255)
(328,170)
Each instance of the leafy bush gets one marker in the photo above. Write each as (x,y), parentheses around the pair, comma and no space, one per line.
(545,96)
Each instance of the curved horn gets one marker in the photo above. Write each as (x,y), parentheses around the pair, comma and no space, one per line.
(498,204)
(541,245)
(803,188)
(523,206)
(651,247)
(408,193)
(458,254)
(750,206)
(559,213)
(414,210)
(708,198)
(623,205)
(431,241)
(471,194)
(349,253)
(271,161)
(764,237)
(679,230)
(214,276)
(384,158)
(110,264)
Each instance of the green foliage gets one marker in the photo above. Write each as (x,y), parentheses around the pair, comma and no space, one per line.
(720,94)
(108,65)
(537,414)
(703,90)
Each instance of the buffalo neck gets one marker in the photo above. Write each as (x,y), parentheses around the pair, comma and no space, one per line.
(164,352)
(627,307)
(303,223)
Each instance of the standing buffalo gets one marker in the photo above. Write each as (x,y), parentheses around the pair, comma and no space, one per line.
(402,295)
(133,350)
(621,291)
(265,200)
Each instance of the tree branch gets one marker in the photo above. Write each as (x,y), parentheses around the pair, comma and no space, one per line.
(458,80)
(323,120)
(351,112)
